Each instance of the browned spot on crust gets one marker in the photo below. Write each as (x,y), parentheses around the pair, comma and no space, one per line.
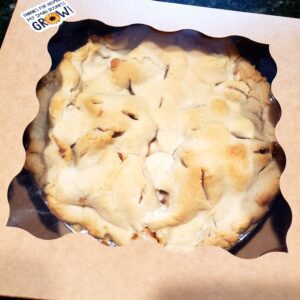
(203,184)
(151,142)
(219,107)
(104,242)
(142,195)
(64,149)
(62,152)
(130,89)
(163,197)
(237,89)
(114,63)
(238,151)
(183,163)
(93,106)
(107,239)
(218,83)
(101,129)
(121,156)
(161,102)
(135,236)
(164,201)
(117,134)
(154,138)
(166,71)
(262,151)
(95,101)
(130,115)
(82,200)
(151,233)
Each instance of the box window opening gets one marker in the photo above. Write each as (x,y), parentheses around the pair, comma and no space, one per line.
(267,233)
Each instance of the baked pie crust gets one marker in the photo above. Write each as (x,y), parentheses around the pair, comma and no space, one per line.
(165,136)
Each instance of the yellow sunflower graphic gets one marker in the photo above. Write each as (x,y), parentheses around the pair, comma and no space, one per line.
(52,18)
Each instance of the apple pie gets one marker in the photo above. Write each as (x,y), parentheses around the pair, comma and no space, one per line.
(161,136)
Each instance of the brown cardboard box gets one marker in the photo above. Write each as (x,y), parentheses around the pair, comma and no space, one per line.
(76,266)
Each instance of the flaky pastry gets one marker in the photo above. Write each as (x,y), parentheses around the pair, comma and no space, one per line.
(148,135)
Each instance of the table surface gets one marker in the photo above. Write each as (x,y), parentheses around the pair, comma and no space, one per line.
(288,8)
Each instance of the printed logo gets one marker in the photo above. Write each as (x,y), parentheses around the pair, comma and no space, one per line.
(49,14)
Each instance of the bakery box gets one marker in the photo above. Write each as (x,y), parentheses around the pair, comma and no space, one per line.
(148,150)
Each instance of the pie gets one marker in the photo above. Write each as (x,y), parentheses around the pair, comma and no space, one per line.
(161,136)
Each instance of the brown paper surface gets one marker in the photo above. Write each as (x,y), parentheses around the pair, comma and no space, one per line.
(76,266)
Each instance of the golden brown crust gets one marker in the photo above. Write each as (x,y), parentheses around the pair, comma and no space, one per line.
(138,138)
